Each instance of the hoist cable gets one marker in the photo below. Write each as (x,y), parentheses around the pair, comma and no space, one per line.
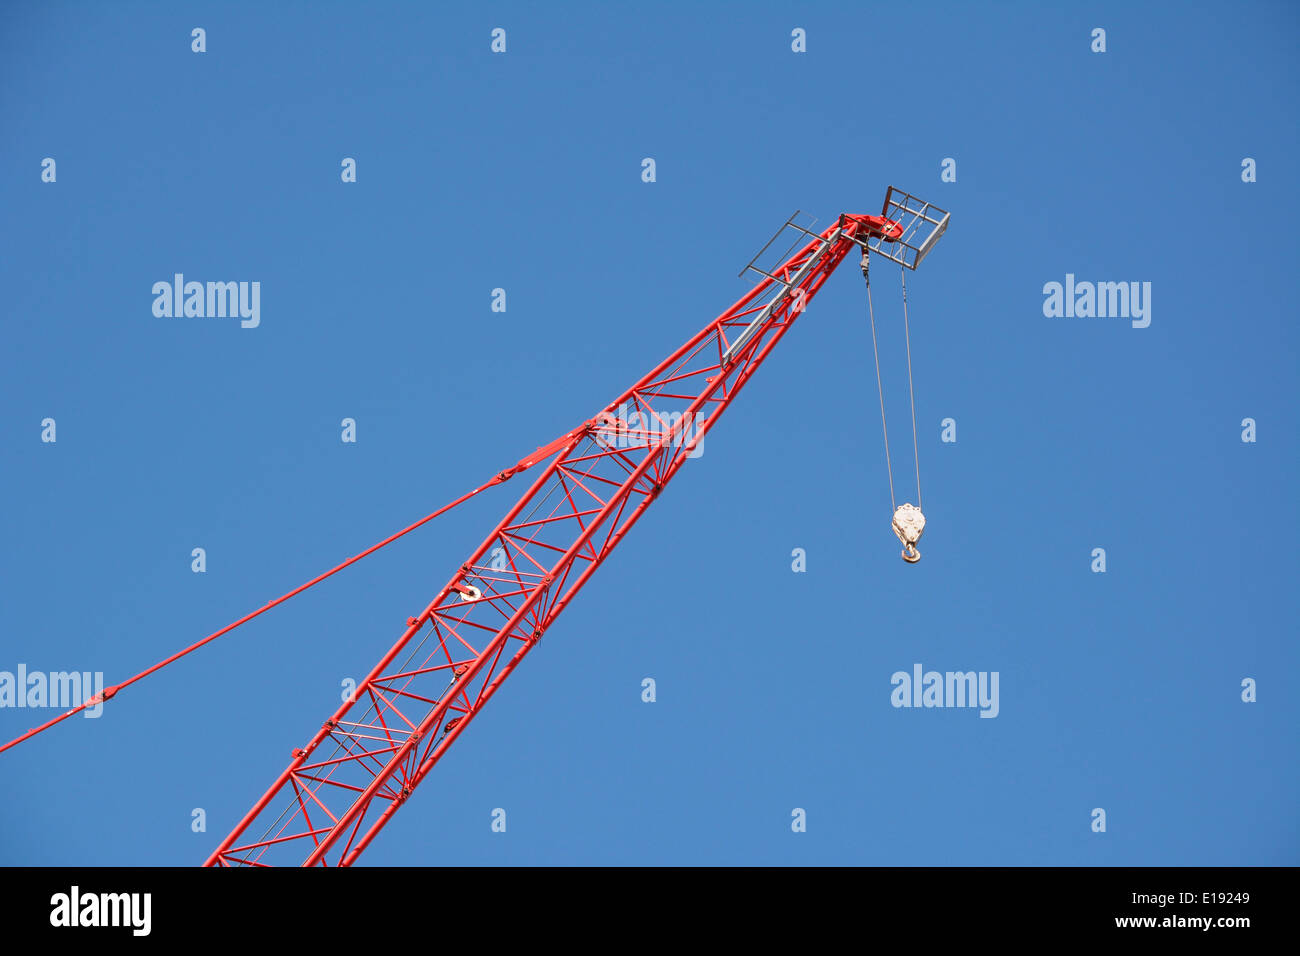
(880,389)
(902,273)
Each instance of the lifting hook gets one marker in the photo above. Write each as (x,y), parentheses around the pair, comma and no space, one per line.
(909,525)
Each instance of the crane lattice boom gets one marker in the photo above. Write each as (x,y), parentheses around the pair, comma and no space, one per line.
(370,755)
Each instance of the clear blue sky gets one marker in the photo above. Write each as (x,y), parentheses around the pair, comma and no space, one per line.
(475,171)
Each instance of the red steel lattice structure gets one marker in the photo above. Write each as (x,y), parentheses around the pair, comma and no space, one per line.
(366,760)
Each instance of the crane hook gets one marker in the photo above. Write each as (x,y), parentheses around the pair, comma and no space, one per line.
(909,525)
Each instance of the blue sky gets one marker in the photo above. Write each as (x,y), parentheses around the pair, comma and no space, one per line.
(522,170)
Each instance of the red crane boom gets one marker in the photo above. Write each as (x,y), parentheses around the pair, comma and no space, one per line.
(370,755)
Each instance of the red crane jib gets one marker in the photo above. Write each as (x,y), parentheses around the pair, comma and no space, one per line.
(358,769)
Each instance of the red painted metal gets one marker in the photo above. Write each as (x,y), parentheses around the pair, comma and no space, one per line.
(366,760)
(879,226)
